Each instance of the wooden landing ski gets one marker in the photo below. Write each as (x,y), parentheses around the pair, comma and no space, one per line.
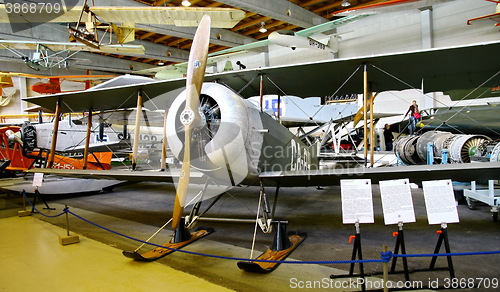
(296,238)
(159,252)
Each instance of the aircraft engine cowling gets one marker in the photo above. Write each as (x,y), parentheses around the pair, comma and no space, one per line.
(226,144)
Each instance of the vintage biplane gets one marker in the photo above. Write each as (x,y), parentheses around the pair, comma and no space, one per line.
(224,140)
(44,55)
(98,28)
(12,149)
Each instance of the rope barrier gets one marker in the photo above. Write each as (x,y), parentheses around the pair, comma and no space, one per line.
(385,257)
(38,211)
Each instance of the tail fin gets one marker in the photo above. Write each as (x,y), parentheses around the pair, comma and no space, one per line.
(100,159)
(333,43)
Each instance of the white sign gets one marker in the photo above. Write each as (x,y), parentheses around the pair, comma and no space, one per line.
(357,203)
(396,201)
(440,202)
(37,179)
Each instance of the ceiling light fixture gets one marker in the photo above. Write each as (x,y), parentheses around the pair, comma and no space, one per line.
(262,28)
(345,3)
(186,3)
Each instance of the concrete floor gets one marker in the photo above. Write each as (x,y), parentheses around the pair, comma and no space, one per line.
(33,260)
(138,210)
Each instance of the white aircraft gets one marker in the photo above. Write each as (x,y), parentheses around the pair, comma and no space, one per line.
(304,38)
(293,40)
(299,39)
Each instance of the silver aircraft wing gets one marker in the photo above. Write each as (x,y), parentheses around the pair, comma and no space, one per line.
(416,174)
(124,175)
(439,69)
(321,177)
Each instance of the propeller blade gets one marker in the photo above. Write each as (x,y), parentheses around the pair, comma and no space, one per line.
(190,117)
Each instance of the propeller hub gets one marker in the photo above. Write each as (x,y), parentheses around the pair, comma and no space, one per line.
(187,117)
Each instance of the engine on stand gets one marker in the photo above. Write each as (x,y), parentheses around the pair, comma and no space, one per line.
(441,147)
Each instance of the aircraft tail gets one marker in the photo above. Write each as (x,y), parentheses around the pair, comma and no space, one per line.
(333,43)
(99,159)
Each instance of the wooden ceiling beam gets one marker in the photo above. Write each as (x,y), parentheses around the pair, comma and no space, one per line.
(161,39)
(256,21)
(176,42)
(146,35)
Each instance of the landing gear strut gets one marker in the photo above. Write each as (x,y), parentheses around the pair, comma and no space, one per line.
(284,242)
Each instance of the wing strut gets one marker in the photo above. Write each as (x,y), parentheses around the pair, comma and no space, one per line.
(87,140)
(137,130)
(372,131)
(365,113)
(261,92)
(164,144)
(54,134)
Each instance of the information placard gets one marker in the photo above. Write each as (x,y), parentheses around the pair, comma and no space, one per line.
(440,202)
(38,179)
(397,202)
(357,203)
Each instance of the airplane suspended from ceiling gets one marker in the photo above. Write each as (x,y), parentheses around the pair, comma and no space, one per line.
(113,21)
(54,84)
(224,140)
(7,89)
(48,55)
(179,70)
(286,38)
(306,38)
(494,17)
(299,39)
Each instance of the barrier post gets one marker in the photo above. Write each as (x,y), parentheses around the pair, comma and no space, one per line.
(68,239)
(385,267)
(24,212)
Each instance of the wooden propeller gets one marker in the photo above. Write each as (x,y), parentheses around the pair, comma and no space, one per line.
(190,116)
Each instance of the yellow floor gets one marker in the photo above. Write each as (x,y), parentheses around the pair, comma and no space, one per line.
(33,259)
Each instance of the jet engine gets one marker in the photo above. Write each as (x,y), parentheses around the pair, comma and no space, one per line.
(489,151)
(226,144)
(413,149)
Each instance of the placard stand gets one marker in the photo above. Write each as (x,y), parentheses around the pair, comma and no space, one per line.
(400,243)
(357,252)
(443,236)
(357,207)
(41,197)
(441,209)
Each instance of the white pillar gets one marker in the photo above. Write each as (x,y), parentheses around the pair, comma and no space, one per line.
(427,28)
